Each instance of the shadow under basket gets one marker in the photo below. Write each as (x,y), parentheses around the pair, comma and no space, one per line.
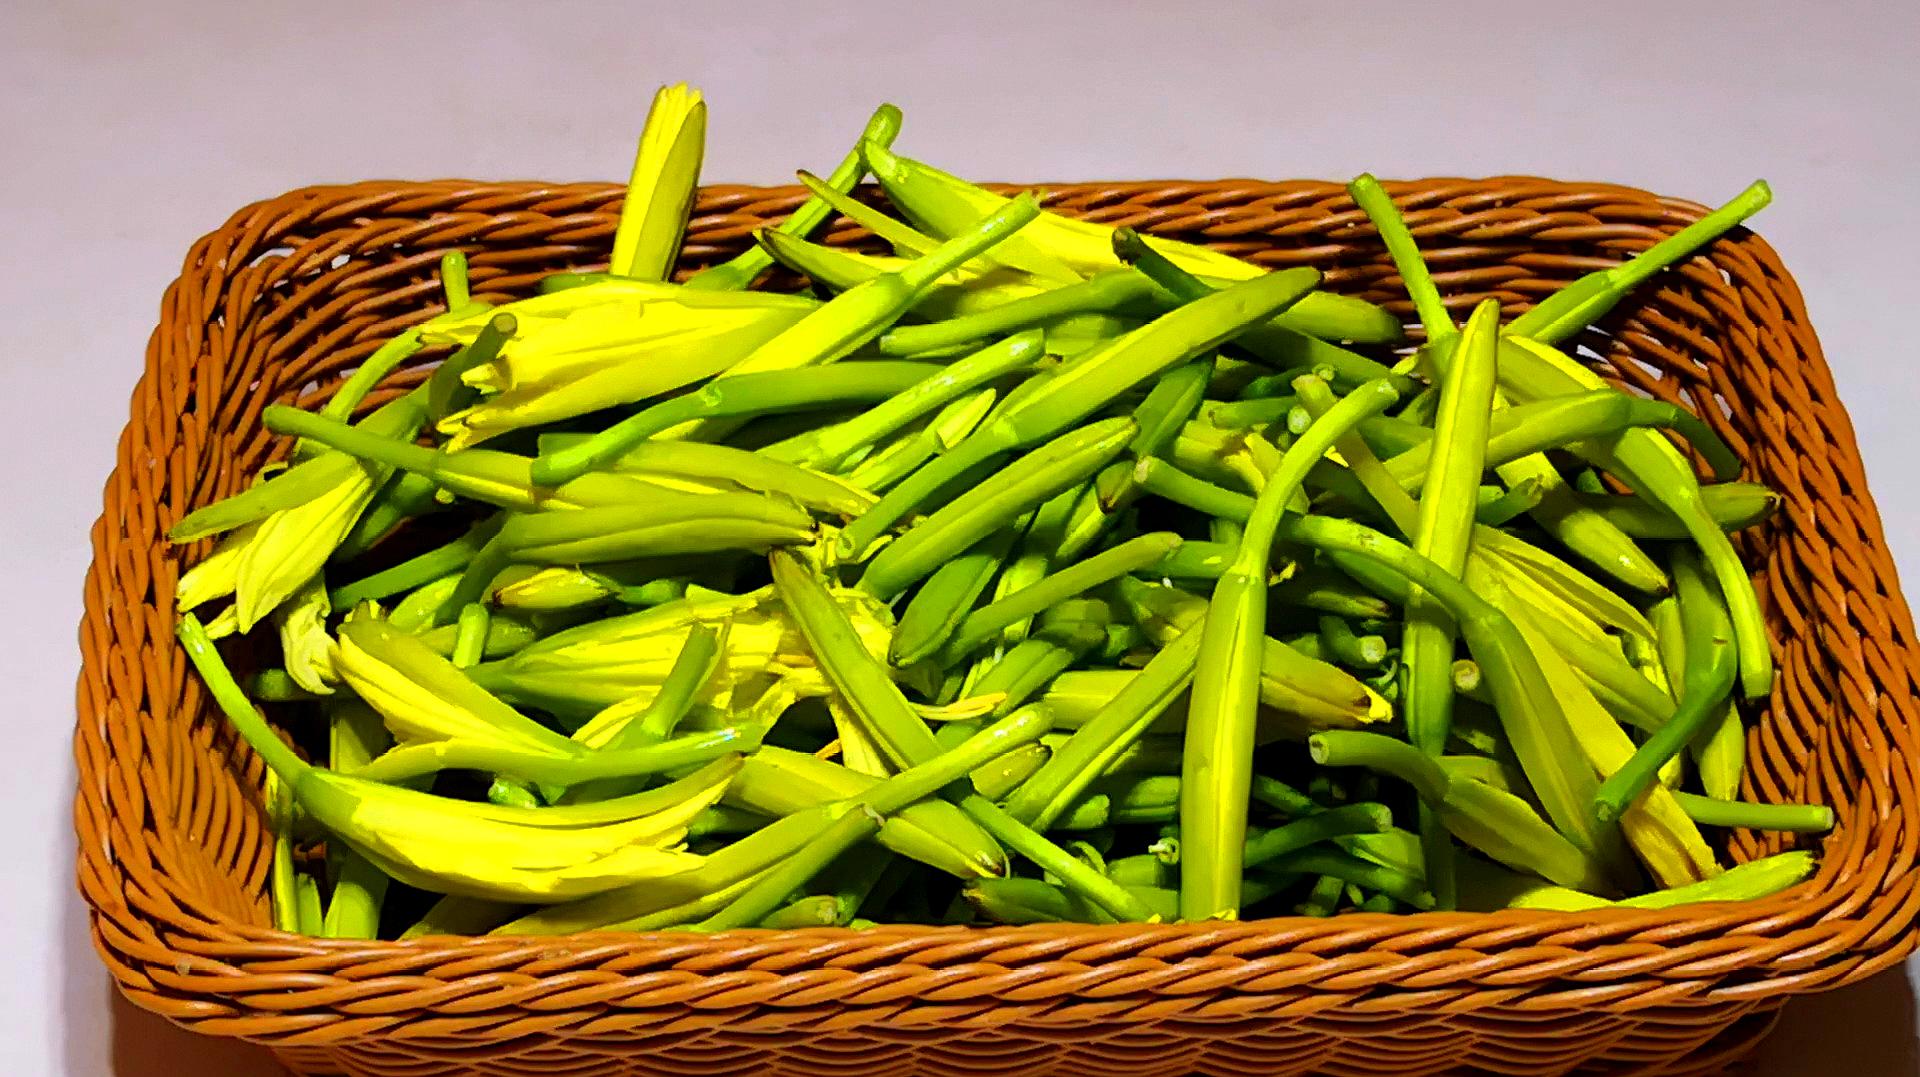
(290,293)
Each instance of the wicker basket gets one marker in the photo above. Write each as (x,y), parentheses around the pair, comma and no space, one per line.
(290,292)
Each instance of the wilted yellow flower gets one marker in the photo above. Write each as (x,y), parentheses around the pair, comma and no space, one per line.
(1052,247)
(423,697)
(290,546)
(304,640)
(620,662)
(666,171)
(621,342)
(263,563)
(508,853)
(213,577)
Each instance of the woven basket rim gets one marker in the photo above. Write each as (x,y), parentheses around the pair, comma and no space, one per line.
(1839,926)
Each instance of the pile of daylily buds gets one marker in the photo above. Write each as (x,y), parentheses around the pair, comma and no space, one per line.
(1038,571)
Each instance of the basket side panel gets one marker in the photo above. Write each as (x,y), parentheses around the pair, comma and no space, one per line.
(1676,1041)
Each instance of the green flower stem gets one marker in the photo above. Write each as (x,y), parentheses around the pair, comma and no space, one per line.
(864,816)
(775,782)
(1525,429)
(1253,414)
(1072,872)
(1352,870)
(908,452)
(762,393)
(1315,588)
(446,393)
(829,447)
(1346,646)
(685,898)
(1538,729)
(402,497)
(417,570)
(232,701)
(1588,298)
(301,483)
(1384,755)
(1374,201)
(1060,643)
(1162,479)
(369,374)
(903,736)
(1797,818)
(1499,511)
(1344,821)
(695,663)
(1324,898)
(739,271)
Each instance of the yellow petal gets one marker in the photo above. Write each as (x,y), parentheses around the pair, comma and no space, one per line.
(290,546)
(214,577)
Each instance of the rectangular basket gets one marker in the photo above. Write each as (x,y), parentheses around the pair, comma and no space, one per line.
(291,292)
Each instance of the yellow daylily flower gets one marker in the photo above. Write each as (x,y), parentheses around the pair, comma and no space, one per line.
(423,697)
(611,669)
(622,342)
(290,546)
(666,172)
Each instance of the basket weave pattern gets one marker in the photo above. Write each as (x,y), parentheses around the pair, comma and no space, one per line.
(291,292)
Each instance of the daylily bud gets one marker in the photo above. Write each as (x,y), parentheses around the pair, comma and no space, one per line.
(666,171)
(553,587)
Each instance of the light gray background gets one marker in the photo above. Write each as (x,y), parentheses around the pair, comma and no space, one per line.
(127,130)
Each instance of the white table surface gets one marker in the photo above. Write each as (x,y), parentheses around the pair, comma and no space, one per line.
(127,130)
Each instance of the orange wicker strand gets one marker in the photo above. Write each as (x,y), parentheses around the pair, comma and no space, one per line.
(289,294)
